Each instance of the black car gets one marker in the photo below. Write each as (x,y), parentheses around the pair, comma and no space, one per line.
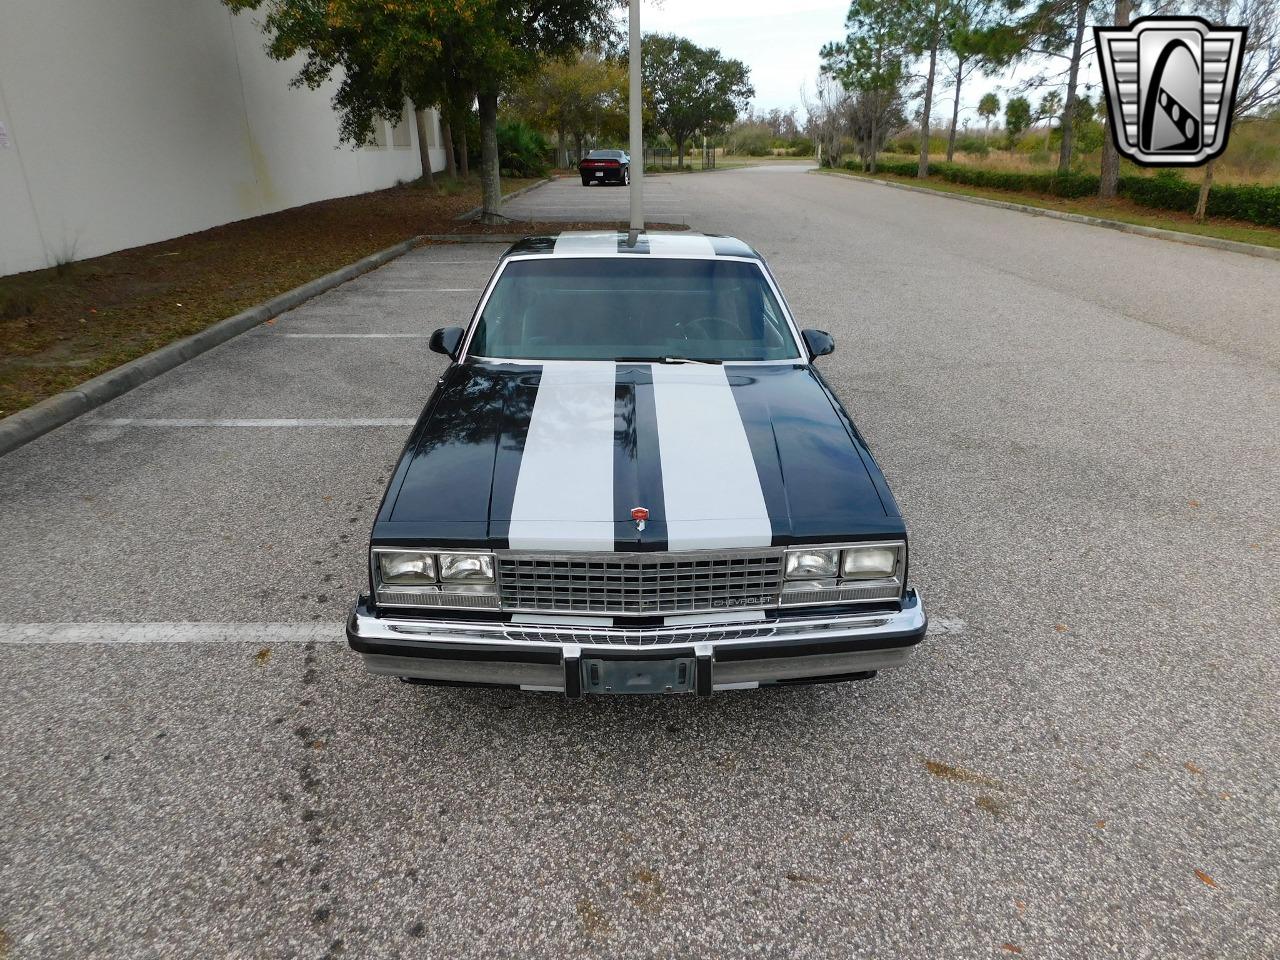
(605,166)
(632,478)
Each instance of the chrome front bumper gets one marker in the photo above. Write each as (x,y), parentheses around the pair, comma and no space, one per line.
(550,653)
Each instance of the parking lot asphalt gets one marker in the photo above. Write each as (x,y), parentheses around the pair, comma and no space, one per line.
(1081,761)
(567,199)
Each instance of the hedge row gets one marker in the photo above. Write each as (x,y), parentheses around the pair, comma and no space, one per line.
(1166,190)
(1071,185)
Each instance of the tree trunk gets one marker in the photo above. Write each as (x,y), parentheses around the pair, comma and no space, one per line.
(1202,202)
(562,148)
(875,141)
(986,131)
(955,111)
(923,169)
(464,158)
(1109,185)
(446,134)
(1068,131)
(490,182)
(424,147)
(577,140)
(680,153)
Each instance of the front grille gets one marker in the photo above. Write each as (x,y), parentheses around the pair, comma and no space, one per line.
(640,584)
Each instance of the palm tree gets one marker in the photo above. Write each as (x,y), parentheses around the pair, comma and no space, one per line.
(988,107)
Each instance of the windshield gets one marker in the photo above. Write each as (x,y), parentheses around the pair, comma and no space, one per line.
(632,308)
(605,155)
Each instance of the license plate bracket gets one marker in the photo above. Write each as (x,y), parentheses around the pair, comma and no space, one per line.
(676,675)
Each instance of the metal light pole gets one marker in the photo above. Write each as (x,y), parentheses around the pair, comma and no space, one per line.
(637,131)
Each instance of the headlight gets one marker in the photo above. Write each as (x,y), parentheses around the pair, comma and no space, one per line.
(407,568)
(466,567)
(812,564)
(870,563)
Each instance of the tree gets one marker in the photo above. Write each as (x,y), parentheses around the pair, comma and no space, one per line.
(1258,86)
(430,51)
(693,89)
(924,26)
(1053,29)
(1109,183)
(584,96)
(870,62)
(988,107)
(1049,107)
(827,115)
(871,115)
(1017,117)
(963,36)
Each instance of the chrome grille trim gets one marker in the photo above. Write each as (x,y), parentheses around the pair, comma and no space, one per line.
(849,590)
(681,636)
(390,597)
(639,584)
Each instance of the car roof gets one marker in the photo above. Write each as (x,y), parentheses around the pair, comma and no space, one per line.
(613,243)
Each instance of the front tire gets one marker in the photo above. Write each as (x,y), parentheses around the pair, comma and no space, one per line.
(626,177)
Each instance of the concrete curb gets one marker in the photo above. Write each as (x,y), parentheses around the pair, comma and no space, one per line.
(25,425)
(474,237)
(505,197)
(1193,239)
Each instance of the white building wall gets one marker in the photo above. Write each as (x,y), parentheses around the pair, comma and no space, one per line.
(134,121)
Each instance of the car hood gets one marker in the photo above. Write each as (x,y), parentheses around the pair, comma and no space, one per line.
(557,456)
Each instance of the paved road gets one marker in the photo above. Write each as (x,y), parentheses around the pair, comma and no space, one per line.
(1081,762)
(567,199)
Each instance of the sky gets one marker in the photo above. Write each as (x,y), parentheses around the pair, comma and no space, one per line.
(780,43)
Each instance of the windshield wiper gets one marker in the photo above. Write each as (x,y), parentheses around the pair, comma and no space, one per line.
(714,363)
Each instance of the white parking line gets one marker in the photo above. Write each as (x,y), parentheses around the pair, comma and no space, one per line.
(180,422)
(23,634)
(43,634)
(358,336)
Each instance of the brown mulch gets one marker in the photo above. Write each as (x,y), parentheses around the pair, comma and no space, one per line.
(60,327)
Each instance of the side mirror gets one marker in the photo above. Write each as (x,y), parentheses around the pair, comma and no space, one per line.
(446,340)
(819,342)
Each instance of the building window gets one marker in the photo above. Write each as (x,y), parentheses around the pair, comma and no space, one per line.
(400,136)
(379,134)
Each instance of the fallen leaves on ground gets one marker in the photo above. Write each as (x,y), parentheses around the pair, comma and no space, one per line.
(947,771)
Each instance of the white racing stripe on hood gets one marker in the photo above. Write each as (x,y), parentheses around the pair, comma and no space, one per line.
(564,490)
(709,481)
(681,245)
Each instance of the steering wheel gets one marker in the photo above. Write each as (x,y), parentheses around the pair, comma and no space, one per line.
(704,328)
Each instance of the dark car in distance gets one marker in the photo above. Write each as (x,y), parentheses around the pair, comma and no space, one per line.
(605,166)
(633,479)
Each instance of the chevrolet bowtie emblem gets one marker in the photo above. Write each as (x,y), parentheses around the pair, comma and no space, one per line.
(1171,86)
(640,515)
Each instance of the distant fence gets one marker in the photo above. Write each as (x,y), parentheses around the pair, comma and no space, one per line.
(664,158)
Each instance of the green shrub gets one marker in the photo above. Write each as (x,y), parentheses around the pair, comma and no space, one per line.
(1167,190)
(903,168)
(1070,185)
(522,150)
(972,144)
(749,139)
